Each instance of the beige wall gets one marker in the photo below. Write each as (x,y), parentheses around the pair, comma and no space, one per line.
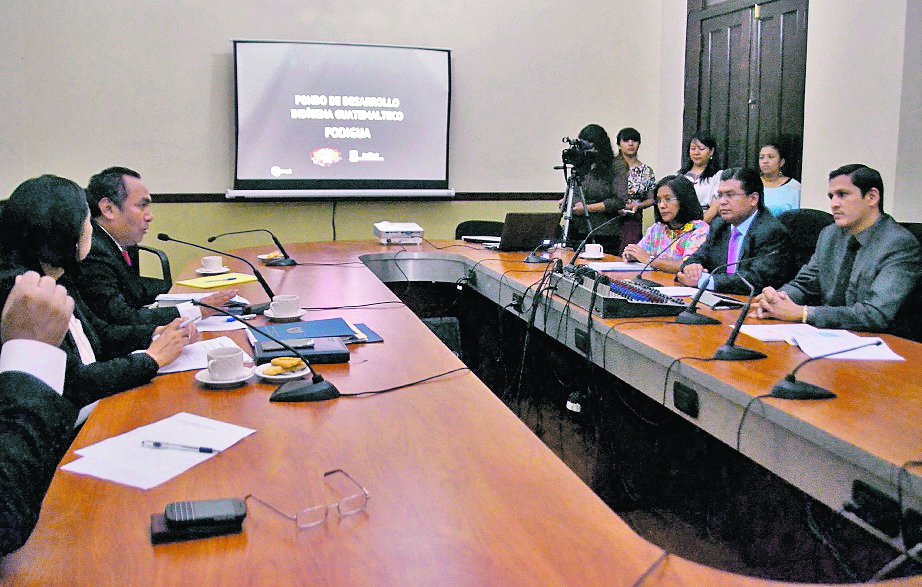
(862,98)
(149,85)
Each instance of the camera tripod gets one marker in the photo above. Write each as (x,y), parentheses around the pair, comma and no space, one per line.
(573,194)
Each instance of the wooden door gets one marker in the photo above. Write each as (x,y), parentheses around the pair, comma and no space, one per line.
(744,76)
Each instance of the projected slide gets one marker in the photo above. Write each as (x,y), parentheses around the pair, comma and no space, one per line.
(320,116)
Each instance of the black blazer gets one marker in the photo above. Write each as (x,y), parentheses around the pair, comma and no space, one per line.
(35,431)
(113,290)
(116,368)
(765,234)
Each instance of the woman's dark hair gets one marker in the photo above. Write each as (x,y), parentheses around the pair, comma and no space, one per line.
(627,134)
(689,207)
(708,141)
(596,135)
(42,222)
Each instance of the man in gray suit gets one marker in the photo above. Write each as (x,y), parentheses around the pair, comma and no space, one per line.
(36,422)
(864,266)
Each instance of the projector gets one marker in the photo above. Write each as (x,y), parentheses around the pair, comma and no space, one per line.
(398,233)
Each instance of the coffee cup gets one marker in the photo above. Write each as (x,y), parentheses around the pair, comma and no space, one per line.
(285,306)
(225,363)
(593,250)
(212,263)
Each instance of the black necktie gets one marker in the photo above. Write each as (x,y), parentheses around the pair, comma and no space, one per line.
(845,271)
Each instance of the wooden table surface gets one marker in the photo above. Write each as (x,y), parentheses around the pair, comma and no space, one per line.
(462,493)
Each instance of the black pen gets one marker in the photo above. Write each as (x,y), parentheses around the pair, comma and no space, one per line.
(172,446)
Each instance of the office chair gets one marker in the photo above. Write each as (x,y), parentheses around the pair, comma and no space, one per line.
(908,321)
(479,228)
(153,284)
(804,226)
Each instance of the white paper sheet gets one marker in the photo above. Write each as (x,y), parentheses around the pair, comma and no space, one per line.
(123,460)
(195,355)
(615,266)
(817,346)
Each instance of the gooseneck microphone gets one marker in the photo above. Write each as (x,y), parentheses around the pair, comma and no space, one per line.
(253,308)
(791,388)
(690,314)
(316,389)
(285,261)
(579,249)
(729,351)
(639,280)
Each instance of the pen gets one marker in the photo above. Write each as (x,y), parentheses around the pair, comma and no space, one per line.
(172,446)
(221,280)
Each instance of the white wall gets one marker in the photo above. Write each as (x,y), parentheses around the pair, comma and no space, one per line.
(149,84)
(862,98)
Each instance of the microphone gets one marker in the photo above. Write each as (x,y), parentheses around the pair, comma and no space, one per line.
(253,308)
(316,389)
(579,249)
(639,280)
(285,261)
(533,258)
(690,314)
(791,388)
(728,351)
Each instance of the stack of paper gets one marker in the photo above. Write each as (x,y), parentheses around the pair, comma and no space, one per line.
(124,460)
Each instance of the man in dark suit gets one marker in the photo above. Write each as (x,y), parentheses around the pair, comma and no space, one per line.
(120,205)
(745,241)
(864,266)
(35,420)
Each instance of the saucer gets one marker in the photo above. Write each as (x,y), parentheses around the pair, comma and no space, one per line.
(204,377)
(591,256)
(282,376)
(293,318)
(203,271)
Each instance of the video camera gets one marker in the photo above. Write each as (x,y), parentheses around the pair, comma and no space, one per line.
(580,153)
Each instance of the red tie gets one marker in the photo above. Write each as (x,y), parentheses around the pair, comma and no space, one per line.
(127,258)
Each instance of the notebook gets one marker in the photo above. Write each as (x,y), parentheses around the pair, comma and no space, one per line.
(524,231)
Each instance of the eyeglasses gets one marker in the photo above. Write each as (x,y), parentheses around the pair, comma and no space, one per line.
(347,506)
(728,195)
(353,503)
(667,200)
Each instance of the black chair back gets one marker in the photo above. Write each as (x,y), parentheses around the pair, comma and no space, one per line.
(908,321)
(804,226)
(479,228)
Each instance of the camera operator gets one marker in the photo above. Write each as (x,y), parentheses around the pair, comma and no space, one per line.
(603,182)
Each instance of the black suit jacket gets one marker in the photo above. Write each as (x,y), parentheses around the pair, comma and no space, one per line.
(116,368)
(765,234)
(113,290)
(35,431)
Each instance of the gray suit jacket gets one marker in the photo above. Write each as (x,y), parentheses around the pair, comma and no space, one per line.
(886,268)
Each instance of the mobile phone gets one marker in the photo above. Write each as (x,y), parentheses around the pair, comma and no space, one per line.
(297,343)
(206,511)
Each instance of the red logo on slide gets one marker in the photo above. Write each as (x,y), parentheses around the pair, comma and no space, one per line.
(326,156)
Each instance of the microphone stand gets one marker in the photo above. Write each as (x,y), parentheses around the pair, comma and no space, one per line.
(791,388)
(316,389)
(728,351)
(533,258)
(690,314)
(252,308)
(285,261)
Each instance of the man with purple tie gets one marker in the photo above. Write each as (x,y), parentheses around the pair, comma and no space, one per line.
(745,241)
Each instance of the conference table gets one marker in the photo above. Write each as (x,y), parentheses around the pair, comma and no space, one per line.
(461,491)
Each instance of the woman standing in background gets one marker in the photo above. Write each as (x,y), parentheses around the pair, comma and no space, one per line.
(640,184)
(782,193)
(701,169)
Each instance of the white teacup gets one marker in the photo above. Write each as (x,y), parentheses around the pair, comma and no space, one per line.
(225,363)
(593,250)
(212,263)
(285,306)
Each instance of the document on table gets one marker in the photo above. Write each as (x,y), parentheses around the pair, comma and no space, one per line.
(218,324)
(171,299)
(615,266)
(195,355)
(817,346)
(124,460)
